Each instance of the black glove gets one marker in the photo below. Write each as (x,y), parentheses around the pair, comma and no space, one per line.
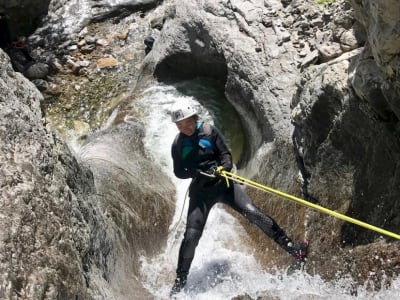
(219,172)
(212,170)
(216,171)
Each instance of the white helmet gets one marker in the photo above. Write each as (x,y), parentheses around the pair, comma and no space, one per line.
(182,111)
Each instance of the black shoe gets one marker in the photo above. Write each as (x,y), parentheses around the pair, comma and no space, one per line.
(179,284)
(300,251)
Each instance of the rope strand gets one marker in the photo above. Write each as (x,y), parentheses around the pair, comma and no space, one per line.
(254,184)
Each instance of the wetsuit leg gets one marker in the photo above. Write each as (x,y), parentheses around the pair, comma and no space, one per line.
(199,209)
(240,202)
(186,251)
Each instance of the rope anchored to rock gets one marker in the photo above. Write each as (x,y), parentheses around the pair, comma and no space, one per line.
(248,182)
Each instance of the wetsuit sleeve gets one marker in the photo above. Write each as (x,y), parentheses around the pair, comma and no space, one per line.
(179,170)
(224,155)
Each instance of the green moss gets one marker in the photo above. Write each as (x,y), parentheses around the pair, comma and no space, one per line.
(321,2)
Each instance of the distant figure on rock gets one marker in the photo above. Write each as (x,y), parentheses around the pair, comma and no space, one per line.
(199,152)
(148,41)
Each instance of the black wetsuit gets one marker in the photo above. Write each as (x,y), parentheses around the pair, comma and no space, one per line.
(191,154)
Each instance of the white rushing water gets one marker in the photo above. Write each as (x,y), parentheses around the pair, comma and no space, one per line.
(224,266)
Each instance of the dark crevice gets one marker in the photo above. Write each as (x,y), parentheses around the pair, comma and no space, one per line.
(121,11)
(300,164)
(184,66)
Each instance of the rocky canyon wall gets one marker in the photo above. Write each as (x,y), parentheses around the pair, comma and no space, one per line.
(317,89)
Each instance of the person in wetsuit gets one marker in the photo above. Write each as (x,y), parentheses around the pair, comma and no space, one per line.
(198,151)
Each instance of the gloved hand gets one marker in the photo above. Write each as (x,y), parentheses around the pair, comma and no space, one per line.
(215,170)
(219,170)
(212,170)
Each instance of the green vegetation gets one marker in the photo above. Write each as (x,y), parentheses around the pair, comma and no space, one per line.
(324,1)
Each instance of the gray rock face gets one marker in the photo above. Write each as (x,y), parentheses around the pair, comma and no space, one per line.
(66,18)
(66,231)
(375,76)
(337,136)
(37,71)
(44,197)
(350,157)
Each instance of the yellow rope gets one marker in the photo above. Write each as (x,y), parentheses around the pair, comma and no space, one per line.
(240,179)
(251,183)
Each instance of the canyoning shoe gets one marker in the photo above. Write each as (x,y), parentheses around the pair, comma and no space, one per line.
(299,253)
(179,284)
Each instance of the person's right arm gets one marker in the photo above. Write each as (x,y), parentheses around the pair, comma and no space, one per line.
(179,170)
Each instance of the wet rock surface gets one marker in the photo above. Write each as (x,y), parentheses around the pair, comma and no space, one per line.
(375,75)
(46,200)
(316,87)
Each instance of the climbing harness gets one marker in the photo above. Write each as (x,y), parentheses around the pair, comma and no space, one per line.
(242,180)
(179,222)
